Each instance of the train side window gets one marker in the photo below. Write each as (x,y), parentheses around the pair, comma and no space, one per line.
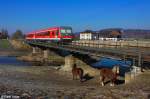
(51,33)
(48,33)
(57,32)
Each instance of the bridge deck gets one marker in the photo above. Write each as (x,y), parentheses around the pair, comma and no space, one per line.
(119,52)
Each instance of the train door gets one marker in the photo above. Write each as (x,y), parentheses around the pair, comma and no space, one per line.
(52,34)
(57,33)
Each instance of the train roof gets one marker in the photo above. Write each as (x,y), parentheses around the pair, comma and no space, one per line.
(47,29)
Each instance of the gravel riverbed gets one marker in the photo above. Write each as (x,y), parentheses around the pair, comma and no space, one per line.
(44,82)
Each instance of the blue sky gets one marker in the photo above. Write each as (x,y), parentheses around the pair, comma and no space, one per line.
(29,15)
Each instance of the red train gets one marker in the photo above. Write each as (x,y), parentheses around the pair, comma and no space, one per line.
(63,33)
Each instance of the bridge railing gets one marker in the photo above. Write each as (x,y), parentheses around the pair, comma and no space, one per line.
(112,44)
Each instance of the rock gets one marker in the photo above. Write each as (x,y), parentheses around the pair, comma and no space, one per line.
(91,88)
(25,96)
(40,97)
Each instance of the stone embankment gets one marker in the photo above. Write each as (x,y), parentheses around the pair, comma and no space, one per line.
(31,58)
(13,48)
(19,44)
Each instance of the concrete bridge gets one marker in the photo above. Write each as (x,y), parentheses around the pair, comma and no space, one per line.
(84,53)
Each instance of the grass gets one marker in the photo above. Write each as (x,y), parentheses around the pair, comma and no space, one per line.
(4,44)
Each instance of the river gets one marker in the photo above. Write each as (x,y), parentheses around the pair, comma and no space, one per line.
(7,60)
(12,61)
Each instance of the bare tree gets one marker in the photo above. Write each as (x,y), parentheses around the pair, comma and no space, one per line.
(18,35)
(4,34)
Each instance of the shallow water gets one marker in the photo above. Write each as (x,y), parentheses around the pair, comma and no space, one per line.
(5,60)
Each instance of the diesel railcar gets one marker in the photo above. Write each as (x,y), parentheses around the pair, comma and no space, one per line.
(63,33)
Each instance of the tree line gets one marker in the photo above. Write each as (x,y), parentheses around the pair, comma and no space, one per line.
(18,34)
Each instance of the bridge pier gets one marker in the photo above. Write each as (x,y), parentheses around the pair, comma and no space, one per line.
(128,77)
(34,50)
(46,54)
(69,62)
(136,70)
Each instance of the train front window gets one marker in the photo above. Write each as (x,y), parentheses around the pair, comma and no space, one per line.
(66,32)
(63,31)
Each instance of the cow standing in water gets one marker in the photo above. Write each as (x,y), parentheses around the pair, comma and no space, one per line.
(77,72)
(109,74)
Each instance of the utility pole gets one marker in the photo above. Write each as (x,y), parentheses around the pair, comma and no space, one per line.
(140,60)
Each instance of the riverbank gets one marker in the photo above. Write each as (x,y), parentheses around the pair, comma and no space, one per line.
(12,52)
(48,83)
(13,48)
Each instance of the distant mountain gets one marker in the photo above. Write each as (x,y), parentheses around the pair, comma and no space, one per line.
(76,35)
(136,33)
(76,32)
(112,29)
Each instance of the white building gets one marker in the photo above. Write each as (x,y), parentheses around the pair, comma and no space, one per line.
(87,35)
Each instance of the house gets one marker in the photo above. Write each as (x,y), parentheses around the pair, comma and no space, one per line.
(88,35)
(109,34)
